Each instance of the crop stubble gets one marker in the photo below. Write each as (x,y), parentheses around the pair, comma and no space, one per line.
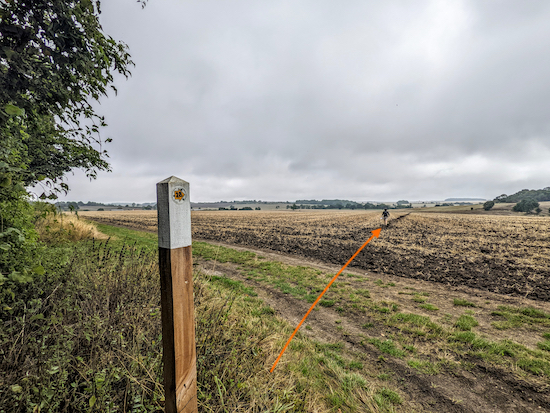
(502,254)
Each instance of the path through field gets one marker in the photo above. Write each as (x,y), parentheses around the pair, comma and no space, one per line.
(480,387)
(503,254)
(446,345)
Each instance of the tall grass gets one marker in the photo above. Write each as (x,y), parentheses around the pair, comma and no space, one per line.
(55,227)
(86,336)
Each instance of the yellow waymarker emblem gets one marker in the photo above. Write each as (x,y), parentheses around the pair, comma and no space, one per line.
(179,195)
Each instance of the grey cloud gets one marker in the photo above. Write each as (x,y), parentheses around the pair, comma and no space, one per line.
(372,100)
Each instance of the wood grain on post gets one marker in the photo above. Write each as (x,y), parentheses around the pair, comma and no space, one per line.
(176,279)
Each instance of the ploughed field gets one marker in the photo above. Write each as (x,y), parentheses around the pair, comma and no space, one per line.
(502,254)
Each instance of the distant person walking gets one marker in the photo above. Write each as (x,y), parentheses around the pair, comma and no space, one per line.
(385,216)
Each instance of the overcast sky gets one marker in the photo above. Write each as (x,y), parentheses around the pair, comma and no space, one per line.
(361,100)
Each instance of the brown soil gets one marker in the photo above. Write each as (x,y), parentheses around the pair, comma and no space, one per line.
(507,255)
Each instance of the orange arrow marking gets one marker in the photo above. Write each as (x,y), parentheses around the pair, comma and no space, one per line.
(375,233)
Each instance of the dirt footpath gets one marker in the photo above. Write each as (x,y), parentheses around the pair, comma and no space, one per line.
(479,388)
(439,295)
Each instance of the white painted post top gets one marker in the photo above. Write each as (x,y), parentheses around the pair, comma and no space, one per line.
(174,213)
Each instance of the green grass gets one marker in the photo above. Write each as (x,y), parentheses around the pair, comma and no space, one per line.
(429,307)
(380,283)
(267,310)
(305,283)
(535,366)
(418,324)
(222,254)
(466,322)
(419,297)
(410,348)
(355,365)
(463,337)
(520,316)
(123,236)
(236,286)
(425,367)
(386,398)
(363,292)
(504,352)
(386,346)
(384,307)
(463,303)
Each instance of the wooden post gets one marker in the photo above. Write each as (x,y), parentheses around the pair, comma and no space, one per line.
(176,281)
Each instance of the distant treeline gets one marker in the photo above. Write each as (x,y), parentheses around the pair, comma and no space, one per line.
(325,202)
(80,205)
(337,204)
(470,200)
(539,195)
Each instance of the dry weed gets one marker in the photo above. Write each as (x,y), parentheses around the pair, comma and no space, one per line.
(57,227)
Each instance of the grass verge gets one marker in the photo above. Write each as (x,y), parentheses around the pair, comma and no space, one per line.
(86,336)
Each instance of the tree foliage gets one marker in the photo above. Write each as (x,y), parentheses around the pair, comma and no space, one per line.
(526,205)
(340,204)
(488,205)
(55,61)
(539,195)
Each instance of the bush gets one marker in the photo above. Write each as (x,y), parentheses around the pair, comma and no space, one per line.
(19,252)
(488,205)
(526,205)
